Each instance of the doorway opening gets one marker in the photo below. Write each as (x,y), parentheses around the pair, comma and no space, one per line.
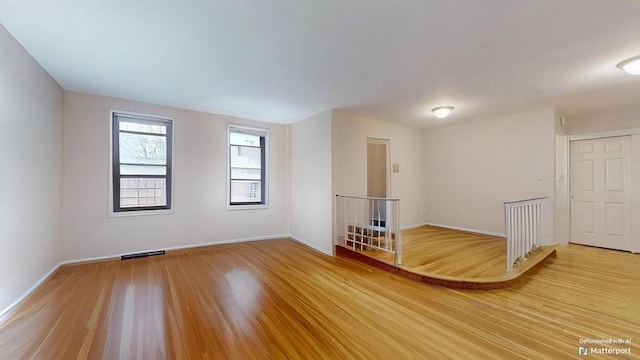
(378,179)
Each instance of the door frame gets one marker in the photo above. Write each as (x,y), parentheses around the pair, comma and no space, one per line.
(387,143)
(634,173)
(387,171)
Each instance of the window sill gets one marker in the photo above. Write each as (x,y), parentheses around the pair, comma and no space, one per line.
(247,207)
(139,213)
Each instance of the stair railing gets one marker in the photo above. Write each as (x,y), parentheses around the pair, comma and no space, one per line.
(528,226)
(366,223)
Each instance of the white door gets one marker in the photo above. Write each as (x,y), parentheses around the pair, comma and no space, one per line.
(600,196)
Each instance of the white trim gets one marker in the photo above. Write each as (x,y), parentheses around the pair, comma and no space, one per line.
(635,193)
(231,241)
(142,115)
(247,207)
(265,192)
(97,258)
(483,232)
(113,214)
(116,257)
(605,134)
(110,212)
(388,165)
(562,204)
(29,291)
(412,226)
(181,247)
(313,246)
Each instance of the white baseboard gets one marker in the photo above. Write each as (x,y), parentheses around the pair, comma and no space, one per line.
(180,247)
(484,232)
(313,246)
(411,226)
(98,258)
(115,257)
(29,291)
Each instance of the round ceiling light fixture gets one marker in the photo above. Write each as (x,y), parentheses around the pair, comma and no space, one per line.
(631,65)
(442,112)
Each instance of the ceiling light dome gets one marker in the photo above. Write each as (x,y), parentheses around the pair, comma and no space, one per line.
(631,65)
(442,112)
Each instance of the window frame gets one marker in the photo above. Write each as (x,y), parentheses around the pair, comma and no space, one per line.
(114,165)
(264,146)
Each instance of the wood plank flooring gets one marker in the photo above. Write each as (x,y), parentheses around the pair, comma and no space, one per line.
(452,258)
(440,251)
(278,299)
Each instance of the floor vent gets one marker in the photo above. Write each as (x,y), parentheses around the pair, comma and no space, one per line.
(142,254)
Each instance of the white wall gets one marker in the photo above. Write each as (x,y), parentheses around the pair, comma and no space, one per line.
(350,132)
(31,148)
(472,168)
(611,119)
(562,205)
(311,197)
(200,215)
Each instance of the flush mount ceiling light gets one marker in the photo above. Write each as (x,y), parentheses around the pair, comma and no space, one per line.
(442,112)
(631,65)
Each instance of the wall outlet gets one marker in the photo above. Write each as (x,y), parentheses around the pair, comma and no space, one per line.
(422,211)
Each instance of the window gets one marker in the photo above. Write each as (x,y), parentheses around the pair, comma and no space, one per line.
(141,160)
(247,166)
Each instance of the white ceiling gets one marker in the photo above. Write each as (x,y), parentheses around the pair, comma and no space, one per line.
(285,60)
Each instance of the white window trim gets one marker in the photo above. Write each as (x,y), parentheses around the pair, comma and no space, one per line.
(114,214)
(265,191)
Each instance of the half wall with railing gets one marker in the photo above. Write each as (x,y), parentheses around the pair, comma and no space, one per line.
(366,223)
(529,225)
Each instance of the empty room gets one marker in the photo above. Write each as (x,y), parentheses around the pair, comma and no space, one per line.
(277,179)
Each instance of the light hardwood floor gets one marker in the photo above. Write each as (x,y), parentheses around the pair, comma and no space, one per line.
(280,300)
(440,251)
(453,258)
